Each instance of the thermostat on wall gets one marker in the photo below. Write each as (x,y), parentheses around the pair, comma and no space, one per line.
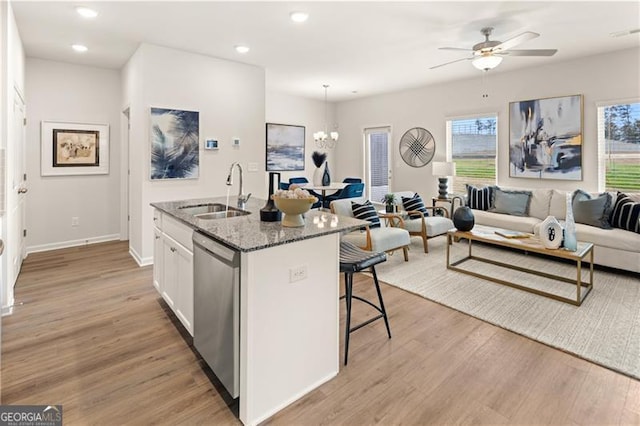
(236,142)
(211,144)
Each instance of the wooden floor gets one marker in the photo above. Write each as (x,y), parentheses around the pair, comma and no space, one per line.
(93,335)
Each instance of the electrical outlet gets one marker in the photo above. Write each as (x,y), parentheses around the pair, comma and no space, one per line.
(75,221)
(297,273)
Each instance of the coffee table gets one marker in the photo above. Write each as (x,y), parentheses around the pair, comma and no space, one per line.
(487,235)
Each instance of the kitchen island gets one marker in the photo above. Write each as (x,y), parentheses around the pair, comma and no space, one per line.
(288,299)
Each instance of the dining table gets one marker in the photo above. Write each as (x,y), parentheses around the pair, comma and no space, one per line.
(333,186)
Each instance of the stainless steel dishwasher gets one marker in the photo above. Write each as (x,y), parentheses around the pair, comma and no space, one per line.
(216,323)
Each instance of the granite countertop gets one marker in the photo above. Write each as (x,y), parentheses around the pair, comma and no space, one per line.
(248,233)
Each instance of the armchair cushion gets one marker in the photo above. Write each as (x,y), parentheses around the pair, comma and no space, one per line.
(382,239)
(414,203)
(435,225)
(366,211)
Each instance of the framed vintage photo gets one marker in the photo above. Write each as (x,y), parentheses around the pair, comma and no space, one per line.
(175,147)
(74,149)
(545,138)
(285,147)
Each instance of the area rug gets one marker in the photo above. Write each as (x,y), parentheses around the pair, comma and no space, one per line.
(604,330)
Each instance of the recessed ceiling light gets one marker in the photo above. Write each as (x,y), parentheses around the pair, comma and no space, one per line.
(81,48)
(242,49)
(299,16)
(85,12)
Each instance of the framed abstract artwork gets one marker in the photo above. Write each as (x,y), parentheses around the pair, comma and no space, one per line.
(285,147)
(74,149)
(174,144)
(545,138)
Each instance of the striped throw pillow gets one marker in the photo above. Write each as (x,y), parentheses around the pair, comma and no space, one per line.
(626,214)
(479,198)
(414,203)
(366,211)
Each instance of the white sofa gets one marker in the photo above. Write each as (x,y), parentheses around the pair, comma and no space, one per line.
(614,247)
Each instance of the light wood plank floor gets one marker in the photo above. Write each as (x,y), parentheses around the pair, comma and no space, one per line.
(93,334)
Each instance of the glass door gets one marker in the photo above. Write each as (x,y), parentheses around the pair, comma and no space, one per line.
(377,162)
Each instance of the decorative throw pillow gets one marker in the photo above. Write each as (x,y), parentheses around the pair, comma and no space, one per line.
(414,203)
(479,198)
(626,214)
(591,211)
(366,211)
(515,203)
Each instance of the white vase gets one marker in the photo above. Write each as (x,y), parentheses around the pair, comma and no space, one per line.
(570,243)
(551,233)
(317,176)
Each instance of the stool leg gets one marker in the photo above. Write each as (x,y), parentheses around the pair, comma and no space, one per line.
(348,289)
(384,311)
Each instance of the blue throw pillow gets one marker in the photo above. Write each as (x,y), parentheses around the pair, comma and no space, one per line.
(366,211)
(414,203)
(514,203)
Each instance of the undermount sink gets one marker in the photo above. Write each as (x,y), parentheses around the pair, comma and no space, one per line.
(213,211)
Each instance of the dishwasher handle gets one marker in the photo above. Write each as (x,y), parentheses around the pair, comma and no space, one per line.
(223,253)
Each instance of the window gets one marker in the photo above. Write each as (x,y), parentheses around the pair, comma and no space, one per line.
(378,172)
(619,147)
(471,144)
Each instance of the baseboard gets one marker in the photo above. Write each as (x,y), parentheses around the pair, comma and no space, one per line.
(139,259)
(73,243)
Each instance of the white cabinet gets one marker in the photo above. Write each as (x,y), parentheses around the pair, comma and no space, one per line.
(173,267)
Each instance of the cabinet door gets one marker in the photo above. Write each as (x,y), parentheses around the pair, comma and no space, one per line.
(184,285)
(158,253)
(170,266)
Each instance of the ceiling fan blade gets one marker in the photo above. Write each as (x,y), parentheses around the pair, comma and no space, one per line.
(452,62)
(530,52)
(455,48)
(514,41)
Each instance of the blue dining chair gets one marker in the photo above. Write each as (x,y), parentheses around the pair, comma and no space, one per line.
(352,190)
(352,180)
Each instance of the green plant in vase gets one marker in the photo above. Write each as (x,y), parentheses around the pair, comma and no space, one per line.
(389,202)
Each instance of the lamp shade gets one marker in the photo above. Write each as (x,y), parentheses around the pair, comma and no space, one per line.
(486,62)
(444,168)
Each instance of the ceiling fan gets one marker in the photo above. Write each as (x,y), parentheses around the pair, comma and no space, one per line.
(488,53)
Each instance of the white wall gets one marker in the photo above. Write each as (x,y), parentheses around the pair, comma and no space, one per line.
(287,109)
(599,78)
(231,100)
(64,92)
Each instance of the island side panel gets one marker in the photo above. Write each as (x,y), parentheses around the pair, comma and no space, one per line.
(289,340)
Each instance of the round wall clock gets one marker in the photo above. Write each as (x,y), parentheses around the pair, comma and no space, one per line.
(417,147)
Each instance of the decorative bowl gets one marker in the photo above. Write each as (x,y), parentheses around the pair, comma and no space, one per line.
(293,208)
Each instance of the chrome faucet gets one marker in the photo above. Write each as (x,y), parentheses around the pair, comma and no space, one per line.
(242,198)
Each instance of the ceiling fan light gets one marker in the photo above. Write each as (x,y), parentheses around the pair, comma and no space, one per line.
(488,62)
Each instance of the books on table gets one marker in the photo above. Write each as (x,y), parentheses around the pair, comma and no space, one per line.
(512,234)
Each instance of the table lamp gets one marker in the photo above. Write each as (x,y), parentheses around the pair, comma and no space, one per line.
(443,169)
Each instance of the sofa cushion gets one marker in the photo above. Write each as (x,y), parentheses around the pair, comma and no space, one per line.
(626,213)
(515,223)
(414,203)
(539,204)
(479,198)
(366,211)
(511,202)
(558,204)
(590,210)
(613,238)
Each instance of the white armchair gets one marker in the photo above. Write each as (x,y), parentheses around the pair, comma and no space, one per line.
(423,226)
(383,239)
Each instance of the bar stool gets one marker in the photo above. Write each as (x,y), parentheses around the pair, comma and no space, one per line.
(354,259)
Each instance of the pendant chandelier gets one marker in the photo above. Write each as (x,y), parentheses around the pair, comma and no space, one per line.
(322,138)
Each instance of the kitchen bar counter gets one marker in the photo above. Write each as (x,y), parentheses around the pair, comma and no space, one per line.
(288,300)
(248,233)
